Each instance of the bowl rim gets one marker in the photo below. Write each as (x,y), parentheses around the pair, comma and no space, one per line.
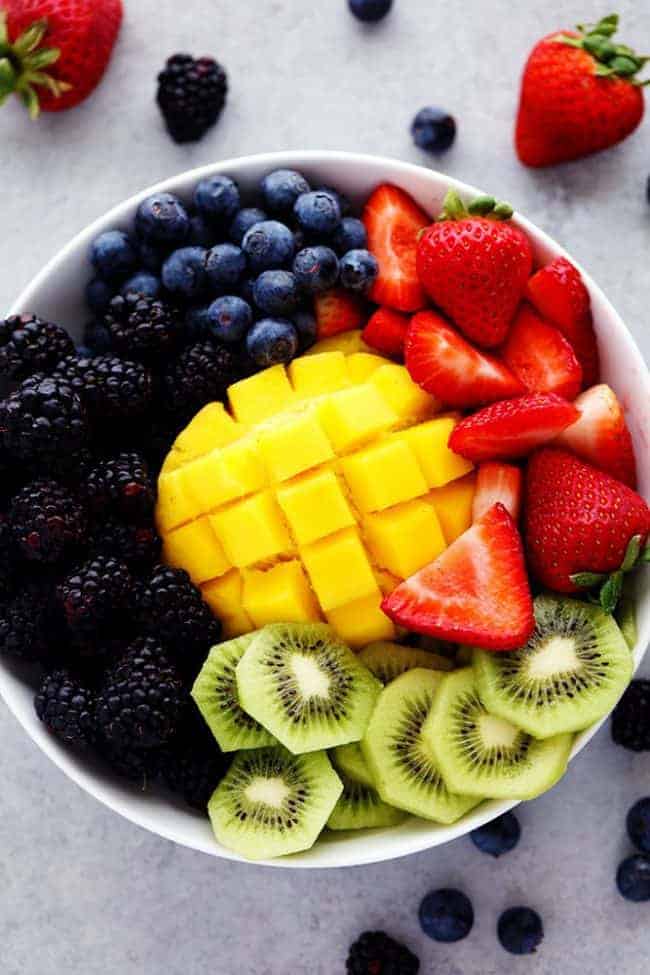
(86,778)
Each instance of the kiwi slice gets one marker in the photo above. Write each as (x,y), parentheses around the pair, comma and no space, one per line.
(483,755)
(625,615)
(215,693)
(359,807)
(400,757)
(349,760)
(271,802)
(571,672)
(388,660)
(306,687)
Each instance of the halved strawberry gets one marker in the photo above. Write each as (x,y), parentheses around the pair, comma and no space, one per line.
(512,428)
(600,434)
(337,311)
(497,482)
(386,331)
(448,367)
(476,592)
(559,295)
(393,221)
(540,356)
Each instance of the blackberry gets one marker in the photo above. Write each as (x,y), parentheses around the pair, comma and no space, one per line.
(191,95)
(120,484)
(138,545)
(375,953)
(155,436)
(47,521)
(201,374)
(29,344)
(192,764)
(631,718)
(26,624)
(111,388)
(142,700)
(138,765)
(8,559)
(66,708)
(44,422)
(92,594)
(141,328)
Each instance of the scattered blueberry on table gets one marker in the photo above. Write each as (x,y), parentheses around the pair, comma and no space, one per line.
(446,915)
(520,930)
(433,129)
(499,836)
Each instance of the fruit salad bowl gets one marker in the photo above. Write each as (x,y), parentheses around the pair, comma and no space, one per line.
(57,294)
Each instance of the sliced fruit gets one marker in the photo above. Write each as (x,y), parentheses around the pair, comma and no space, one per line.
(447,366)
(215,694)
(393,222)
(475,592)
(360,807)
(600,434)
(569,674)
(271,803)
(483,755)
(388,660)
(386,332)
(349,760)
(513,428)
(306,686)
(346,342)
(498,483)
(337,311)
(401,758)
(540,357)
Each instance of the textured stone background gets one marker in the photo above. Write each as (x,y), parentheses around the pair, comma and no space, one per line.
(82,891)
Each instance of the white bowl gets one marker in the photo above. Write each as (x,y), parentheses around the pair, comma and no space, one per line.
(57,293)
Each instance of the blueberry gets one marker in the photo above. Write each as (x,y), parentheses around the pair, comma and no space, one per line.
(162,219)
(498,836)
(225,265)
(633,878)
(446,915)
(150,256)
(370,10)
(306,327)
(83,352)
(359,268)
(197,322)
(243,221)
(299,239)
(276,293)
(268,245)
(201,233)
(229,318)
(143,283)
(245,289)
(342,200)
(184,273)
(350,235)
(433,130)
(520,930)
(217,199)
(97,337)
(316,268)
(318,212)
(271,341)
(98,295)
(281,188)
(638,824)
(113,255)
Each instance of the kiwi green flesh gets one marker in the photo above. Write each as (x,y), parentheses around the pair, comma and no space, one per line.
(271,803)
(359,807)
(215,693)
(388,660)
(625,616)
(349,760)
(400,757)
(571,672)
(306,687)
(483,755)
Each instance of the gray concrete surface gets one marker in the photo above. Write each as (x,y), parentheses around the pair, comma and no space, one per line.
(82,892)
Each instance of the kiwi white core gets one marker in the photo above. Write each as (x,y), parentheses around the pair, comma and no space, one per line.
(309,676)
(497,733)
(270,792)
(555,655)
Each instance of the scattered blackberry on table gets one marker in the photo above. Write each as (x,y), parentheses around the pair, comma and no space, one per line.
(184,273)
(94,593)
(228,319)
(29,344)
(138,765)
(633,878)
(638,824)
(316,268)
(358,270)
(26,623)
(497,837)
(433,129)
(191,95)
(138,545)
(370,11)
(375,953)
(520,930)
(272,341)
(191,763)
(162,221)
(144,283)
(66,708)
(318,212)
(44,422)
(121,484)
(217,199)
(280,190)
(268,245)
(47,521)
(111,388)
(98,295)
(446,915)
(201,374)
(631,718)
(146,329)
(243,221)
(276,292)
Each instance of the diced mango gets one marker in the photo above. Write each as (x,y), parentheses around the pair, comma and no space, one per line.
(405,397)
(261,395)
(383,475)
(175,506)
(345,342)
(294,445)
(429,441)
(212,427)
(386,581)
(172,461)
(224,597)
(252,531)
(279,595)
(362,622)
(195,548)
(362,365)
(315,506)
(224,475)
(354,416)
(318,374)
(453,504)
(339,569)
(405,538)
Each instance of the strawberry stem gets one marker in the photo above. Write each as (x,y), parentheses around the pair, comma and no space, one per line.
(611,586)
(22,65)
(611,59)
(453,208)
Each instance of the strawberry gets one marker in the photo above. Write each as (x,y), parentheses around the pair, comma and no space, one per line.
(451,369)
(53,53)
(579,94)
(600,434)
(476,592)
(512,428)
(559,294)
(496,482)
(393,221)
(474,263)
(386,331)
(540,356)
(337,311)
(581,525)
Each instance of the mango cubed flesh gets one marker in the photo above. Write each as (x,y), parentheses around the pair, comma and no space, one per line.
(224,597)
(362,621)
(224,475)
(339,569)
(318,374)
(408,400)
(252,530)
(211,427)
(279,595)
(354,416)
(386,581)
(294,445)
(175,505)
(345,342)
(383,475)
(314,506)
(406,538)
(362,365)
(195,548)
(261,395)
(429,442)
(453,505)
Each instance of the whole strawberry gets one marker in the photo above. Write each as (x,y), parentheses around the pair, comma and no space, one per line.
(582,527)
(579,94)
(474,263)
(53,53)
